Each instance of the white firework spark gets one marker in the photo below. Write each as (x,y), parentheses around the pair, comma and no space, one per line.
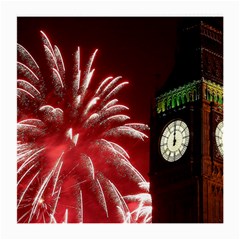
(71,164)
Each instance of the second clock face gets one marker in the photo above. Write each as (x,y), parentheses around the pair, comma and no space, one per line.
(174,140)
(219,137)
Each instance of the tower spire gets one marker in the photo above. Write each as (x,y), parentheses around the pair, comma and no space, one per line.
(199,53)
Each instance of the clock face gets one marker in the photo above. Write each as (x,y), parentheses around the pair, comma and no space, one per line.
(219,137)
(174,141)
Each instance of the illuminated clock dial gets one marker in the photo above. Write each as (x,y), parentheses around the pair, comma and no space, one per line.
(174,140)
(219,137)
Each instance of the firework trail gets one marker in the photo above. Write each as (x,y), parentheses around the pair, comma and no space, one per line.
(71,167)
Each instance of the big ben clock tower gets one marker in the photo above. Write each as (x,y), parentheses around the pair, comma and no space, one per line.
(186,151)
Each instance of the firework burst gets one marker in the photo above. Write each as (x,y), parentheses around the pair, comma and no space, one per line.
(71,167)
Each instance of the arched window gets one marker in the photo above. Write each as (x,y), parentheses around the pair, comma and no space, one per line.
(169,103)
(178,98)
(173,102)
(188,96)
(220,99)
(184,98)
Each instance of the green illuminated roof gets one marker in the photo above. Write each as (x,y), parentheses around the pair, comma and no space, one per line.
(191,92)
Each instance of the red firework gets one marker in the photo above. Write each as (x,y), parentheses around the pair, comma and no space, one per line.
(71,165)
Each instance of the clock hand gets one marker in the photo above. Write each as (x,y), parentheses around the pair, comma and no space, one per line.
(174,134)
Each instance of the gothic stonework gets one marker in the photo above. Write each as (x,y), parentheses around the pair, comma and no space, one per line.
(190,189)
(213,171)
(211,32)
(212,65)
(190,93)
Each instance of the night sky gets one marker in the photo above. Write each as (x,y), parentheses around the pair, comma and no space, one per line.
(140,49)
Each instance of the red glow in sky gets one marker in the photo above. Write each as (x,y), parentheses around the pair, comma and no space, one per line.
(73,149)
